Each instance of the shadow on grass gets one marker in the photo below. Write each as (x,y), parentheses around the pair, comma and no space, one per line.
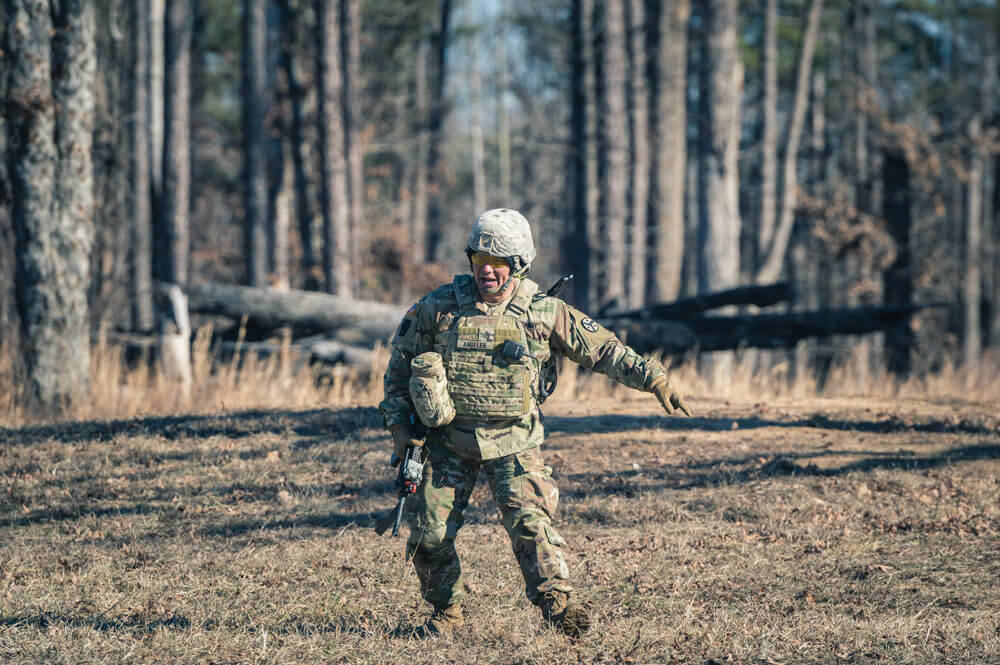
(329,423)
(732,471)
(129,623)
(623,423)
(312,422)
(319,521)
(163,503)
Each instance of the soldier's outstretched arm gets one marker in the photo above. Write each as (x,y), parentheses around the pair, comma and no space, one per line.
(585,341)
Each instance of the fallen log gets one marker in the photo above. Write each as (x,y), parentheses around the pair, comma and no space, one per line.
(761,296)
(764,331)
(326,351)
(347,325)
(305,311)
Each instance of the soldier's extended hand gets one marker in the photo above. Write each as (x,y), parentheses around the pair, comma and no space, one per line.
(401,438)
(669,398)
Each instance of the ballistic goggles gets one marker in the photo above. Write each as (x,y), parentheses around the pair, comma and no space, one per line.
(482,259)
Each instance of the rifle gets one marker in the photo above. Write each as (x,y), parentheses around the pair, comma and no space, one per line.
(411,472)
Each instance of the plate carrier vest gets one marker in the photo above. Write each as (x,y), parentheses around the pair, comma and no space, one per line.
(483,383)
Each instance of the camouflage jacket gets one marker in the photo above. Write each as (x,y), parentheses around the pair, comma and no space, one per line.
(551,327)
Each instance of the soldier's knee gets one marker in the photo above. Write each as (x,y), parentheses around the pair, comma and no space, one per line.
(430,538)
(525,522)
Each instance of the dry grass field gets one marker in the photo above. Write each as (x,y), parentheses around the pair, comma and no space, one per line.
(777,526)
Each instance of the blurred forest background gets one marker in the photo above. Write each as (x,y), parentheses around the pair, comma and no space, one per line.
(660,148)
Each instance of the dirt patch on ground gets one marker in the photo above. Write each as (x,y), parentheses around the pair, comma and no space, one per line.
(829,531)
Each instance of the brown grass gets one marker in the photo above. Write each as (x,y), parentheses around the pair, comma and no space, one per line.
(284,381)
(775,527)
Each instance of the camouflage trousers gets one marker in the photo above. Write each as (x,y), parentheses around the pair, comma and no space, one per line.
(523,489)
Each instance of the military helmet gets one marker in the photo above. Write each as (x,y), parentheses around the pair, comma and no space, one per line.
(503,233)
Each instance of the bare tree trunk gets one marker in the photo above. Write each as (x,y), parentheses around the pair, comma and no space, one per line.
(769,140)
(864,28)
(74,67)
(337,264)
(418,228)
(438,107)
(50,121)
(255,105)
(995,256)
(898,289)
(350,16)
(139,196)
(859,268)
(774,262)
(592,81)
(718,204)
(972,279)
(581,152)
(476,119)
(503,130)
(638,105)
(305,212)
(279,172)
(991,222)
(613,154)
(721,91)
(155,35)
(109,285)
(670,149)
(808,267)
(171,259)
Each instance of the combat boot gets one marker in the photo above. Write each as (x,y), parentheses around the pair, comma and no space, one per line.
(443,620)
(560,610)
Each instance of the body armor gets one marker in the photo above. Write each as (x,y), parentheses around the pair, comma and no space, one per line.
(484,383)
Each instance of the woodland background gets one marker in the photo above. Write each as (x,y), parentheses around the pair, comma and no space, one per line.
(661,148)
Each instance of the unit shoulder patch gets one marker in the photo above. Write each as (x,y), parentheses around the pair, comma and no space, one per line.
(589,325)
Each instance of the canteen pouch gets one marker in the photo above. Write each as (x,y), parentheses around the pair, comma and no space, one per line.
(429,390)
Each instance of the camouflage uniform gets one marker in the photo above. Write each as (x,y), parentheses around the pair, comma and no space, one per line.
(498,426)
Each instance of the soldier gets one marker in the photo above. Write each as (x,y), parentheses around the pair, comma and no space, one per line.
(475,324)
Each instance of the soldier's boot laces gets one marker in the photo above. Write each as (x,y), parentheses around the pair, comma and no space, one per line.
(560,610)
(443,620)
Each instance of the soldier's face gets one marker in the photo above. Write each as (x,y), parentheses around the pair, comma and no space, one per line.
(490,278)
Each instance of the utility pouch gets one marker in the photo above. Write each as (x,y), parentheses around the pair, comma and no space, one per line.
(429,390)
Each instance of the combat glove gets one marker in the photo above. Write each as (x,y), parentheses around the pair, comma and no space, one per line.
(669,398)
(401,438)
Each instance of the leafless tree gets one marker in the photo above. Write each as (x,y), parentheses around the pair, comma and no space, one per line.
(140,189)
(720,93)
(435,127)
(304,206)
(51,55)
(670,151)
(350,17)
(255,106)
(638,107)
(337,260)
(775,252)
(582,152)
(418,218)
(172,256)
(613,146)
(769,137)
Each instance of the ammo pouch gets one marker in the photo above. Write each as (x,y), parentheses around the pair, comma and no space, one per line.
(429,390)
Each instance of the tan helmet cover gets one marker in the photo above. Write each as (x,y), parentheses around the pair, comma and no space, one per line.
(504,233)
